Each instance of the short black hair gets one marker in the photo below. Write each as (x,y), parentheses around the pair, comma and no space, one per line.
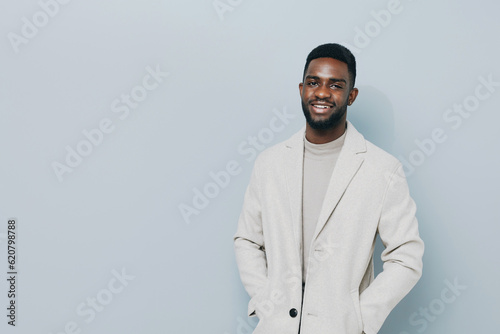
(335,51)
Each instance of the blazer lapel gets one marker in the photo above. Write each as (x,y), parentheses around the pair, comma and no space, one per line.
(347,166)
(294,159)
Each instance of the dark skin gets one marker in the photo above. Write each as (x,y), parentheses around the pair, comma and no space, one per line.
(326,92)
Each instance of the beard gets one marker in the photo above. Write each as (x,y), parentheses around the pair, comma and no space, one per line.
(328,123)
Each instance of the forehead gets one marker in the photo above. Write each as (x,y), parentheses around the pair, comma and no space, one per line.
(328,68)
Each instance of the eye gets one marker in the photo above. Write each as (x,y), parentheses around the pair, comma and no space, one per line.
(312,83)
(336,86)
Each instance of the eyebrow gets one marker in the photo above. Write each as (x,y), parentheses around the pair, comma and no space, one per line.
(314,77)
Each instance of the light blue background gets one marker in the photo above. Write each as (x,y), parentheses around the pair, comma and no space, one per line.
(120,207)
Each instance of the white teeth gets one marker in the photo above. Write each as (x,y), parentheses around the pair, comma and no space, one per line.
(320,106)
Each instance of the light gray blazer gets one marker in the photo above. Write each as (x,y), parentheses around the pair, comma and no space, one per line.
(367,194)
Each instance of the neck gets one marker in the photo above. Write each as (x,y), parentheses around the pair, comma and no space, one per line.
(316,136)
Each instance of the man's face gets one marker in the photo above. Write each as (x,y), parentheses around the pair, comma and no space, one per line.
(326,92)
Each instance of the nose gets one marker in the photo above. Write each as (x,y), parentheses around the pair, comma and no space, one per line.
(322,92)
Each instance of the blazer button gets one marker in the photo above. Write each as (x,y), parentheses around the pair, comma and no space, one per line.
(293,313)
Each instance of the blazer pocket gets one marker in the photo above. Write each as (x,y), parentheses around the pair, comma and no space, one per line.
(254,302)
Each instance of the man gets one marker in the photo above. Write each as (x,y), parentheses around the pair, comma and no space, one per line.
(315,203)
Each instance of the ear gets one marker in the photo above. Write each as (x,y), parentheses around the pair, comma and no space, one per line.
(301,85)
(352,96)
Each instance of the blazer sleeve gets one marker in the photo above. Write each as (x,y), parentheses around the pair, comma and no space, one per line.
(402,256)
(249,243)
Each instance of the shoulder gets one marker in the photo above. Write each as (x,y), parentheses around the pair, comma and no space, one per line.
(381,164)
(374,157)
(379,155)
(275,154)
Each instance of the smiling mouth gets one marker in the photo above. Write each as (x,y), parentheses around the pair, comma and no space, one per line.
(321,108)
